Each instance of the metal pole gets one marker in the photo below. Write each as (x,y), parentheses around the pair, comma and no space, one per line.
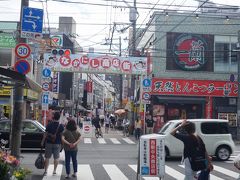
(132,53)
(238,99)
(121,76)
(15,136)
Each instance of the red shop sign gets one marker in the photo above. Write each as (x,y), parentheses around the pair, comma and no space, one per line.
(194,87)
(89,87)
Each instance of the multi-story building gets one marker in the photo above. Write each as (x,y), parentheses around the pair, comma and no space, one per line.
(194,62)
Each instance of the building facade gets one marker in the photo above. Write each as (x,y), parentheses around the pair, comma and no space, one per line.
(194,66)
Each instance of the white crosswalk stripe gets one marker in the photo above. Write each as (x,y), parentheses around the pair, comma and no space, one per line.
(50,175)
(226,171)
(114,172)
(115,141)
(129,141)
(85,172)
(87,140)
(211,175)
(106,140)
(101,141)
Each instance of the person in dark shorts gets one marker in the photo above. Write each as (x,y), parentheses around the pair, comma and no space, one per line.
(96,123)
(52,147)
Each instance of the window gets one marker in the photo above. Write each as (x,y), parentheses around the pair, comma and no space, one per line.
(5,126)
(29,127)
(225,57)
(214,128)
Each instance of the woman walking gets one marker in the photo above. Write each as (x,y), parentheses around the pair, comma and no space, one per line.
(70,138)
(191,143)
(138,127)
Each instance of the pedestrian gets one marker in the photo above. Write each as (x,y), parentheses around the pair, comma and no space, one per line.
(70,138)
(102,119)
(107,123)
(125,124)
(191,142)
(149,124)
(52,140)
(138,127)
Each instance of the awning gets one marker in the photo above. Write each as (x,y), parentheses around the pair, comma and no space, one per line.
(10,77)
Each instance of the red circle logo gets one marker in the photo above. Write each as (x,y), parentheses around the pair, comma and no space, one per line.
(86,128)
(65,60)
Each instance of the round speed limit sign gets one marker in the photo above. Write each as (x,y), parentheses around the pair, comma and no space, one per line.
(22,50)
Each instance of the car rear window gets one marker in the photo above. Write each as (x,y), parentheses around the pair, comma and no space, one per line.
(214,128)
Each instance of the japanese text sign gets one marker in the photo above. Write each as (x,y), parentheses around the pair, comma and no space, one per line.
(194,87)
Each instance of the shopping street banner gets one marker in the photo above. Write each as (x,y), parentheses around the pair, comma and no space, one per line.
(95,63)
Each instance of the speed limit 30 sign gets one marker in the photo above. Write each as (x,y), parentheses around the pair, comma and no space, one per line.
(22,50)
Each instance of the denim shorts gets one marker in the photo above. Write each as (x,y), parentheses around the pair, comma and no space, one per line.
(52,149)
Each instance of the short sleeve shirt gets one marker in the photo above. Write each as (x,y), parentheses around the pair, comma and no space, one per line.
(149,122)
(71,137)
(189,142)
(52,128)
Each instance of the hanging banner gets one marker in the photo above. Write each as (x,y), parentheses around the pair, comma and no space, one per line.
(95,63)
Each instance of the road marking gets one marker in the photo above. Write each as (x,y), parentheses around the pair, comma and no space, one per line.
(87,141)
(170,171)
(101,141)
(129,141)
(115,141)
(226,171)
(114,172)
(50,176)
(84,172)
(134,167)
(211,175)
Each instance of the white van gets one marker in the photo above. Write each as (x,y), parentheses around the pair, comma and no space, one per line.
(214,133)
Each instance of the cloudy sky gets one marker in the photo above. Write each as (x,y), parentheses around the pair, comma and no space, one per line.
(95,18)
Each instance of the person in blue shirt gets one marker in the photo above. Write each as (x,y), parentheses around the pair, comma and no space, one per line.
(52,146)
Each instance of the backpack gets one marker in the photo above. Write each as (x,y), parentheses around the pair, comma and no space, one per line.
(198,158)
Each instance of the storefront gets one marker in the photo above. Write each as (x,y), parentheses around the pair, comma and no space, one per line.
(181,98)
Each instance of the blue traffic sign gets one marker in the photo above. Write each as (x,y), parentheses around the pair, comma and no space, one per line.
(46,72)
(32,20)
(45,99)
(22,66)
(146,82)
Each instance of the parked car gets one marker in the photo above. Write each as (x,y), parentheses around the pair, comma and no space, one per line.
(31,136)
(214,133)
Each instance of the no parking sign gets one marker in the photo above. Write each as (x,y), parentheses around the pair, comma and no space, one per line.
(22,66)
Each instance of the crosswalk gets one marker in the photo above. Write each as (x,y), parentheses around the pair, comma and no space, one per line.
(123,140)
(116,172)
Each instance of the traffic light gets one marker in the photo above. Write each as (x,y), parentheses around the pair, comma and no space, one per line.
(61,52)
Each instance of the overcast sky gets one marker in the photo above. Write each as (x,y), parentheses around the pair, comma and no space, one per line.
(94,18)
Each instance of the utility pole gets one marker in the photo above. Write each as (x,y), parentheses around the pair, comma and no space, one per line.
(121,76)
(133,19)
(15,136)
(238,99)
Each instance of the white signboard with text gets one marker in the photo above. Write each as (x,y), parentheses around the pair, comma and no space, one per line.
(152,155)
(87,130)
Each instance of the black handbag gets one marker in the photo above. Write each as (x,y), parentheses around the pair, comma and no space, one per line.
(39,162)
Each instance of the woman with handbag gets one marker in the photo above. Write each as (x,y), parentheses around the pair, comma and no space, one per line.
(70,138)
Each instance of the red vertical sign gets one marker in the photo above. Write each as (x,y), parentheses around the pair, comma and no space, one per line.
(153,157)
(208,107)
(89,87)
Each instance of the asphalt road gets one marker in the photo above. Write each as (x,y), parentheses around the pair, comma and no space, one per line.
(114,157)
